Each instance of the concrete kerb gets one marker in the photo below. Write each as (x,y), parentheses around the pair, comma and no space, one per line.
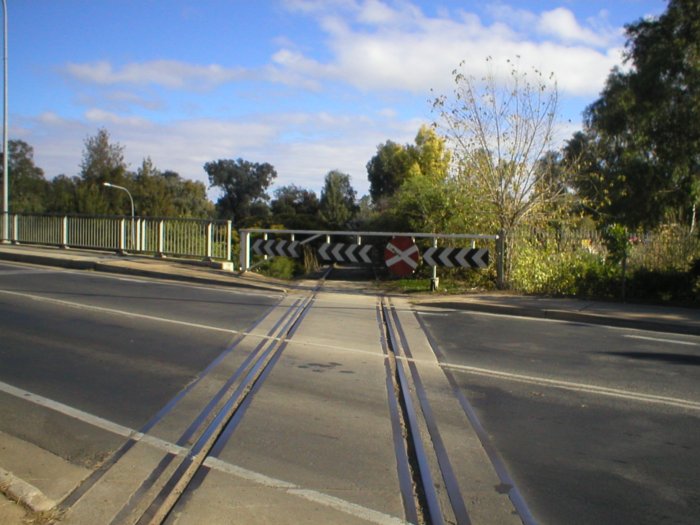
(96,264)
(24,493)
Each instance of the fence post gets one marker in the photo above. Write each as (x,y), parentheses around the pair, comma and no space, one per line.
(434,281)
(209,230)
(161,239)
(244,256)
(15,232)
(229,240)
(64,232)
(122,236)
(500,255)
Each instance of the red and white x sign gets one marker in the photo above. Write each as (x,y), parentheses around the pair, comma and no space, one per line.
(401,256)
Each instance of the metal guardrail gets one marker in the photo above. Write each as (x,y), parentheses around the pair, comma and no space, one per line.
(206,239)
(311,235)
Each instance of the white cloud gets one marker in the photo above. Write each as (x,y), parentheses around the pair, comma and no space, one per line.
(171,74)
(392,52)
(562,24)
(303,147)
(101,117)
(379,46)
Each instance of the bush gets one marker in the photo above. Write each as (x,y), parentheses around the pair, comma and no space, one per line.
(279,268)
(663,286)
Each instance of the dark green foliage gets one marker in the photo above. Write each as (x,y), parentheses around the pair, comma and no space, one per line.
(638,158)
(295,208)
(663,286)
(244,185)
(279,268)
(338,205)
(27,185)
(617,242)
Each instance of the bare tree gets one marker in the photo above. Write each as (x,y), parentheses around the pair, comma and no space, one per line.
(499,130)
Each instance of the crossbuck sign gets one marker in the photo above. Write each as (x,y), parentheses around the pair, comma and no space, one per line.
(401,256)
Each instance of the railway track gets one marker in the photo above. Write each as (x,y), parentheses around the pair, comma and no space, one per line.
(428,479)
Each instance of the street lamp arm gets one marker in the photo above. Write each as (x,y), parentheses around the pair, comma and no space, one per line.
(110,185)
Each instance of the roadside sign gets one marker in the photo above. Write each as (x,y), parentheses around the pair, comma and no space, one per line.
(401,256)
(274,248)
(340,252)
(457,257)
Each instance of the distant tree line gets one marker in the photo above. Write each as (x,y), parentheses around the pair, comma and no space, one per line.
(488,164)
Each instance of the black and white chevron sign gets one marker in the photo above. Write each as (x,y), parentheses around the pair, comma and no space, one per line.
(456,257)
(340,252)
(275,248)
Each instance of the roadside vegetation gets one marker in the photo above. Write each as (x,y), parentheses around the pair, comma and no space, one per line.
(610,214)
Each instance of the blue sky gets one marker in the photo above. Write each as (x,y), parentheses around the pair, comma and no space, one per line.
(306,85)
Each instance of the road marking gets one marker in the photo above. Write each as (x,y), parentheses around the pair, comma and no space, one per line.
(159,281)
(102,309)
(24,272)
(81,306)
(660,340)
(67,410)
(579,387)
(219,465)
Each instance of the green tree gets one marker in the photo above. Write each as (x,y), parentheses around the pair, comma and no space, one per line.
(388,169)
(152,193)
(337,200)
(244,185)
(189,197)
(639,153)
(431,154)
(295,207)
(62,195)
(27,185)
(166,194)
(499,130)
(103,161)
(394,164)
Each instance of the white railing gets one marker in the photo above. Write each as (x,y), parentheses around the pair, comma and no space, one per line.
(206,239)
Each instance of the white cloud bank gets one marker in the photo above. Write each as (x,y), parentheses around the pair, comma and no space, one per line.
(396,47)
(372,47)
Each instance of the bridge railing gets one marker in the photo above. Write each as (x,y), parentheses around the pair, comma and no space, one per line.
(198,238)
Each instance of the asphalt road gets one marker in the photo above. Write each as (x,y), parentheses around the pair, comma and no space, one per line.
(116,348)
(595,424)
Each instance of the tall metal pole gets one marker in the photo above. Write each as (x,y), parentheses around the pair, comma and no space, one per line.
(5,152)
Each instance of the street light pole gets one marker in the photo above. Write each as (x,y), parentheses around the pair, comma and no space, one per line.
(5,152)
(110,185)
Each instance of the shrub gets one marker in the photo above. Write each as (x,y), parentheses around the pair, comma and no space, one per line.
(279,267)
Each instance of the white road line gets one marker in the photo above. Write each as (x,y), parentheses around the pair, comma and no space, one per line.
(579,387)
(81,306)
(661,340)
(45,402)
(160,281)
(349,508)
(24,272)
(102,309)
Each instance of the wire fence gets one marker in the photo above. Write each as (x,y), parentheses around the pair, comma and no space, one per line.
(670,247)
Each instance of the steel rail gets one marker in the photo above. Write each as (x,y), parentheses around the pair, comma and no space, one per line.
(515,496)
(451,484)
(408,496)
(429,505)
(234,406)
(202,421)
(73,497)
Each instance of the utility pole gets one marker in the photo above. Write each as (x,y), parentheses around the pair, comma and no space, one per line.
(5,152)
